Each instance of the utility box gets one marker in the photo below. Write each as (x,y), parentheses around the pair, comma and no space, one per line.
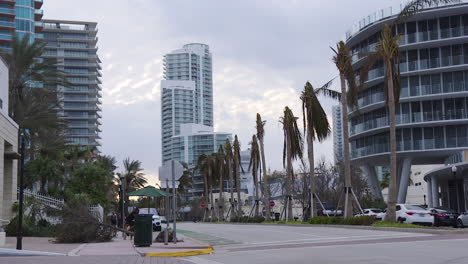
(143,230)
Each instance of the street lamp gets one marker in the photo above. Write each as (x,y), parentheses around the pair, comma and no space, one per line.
(19,235)
(454,171)
(122,194)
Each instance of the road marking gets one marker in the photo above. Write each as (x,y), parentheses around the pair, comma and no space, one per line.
(74,252)
(198,260)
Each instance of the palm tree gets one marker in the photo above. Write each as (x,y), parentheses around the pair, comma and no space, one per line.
(134,177)
(343,61)
(237,168)
(315,125)
(387,51)
(254,164)
(260,126)
(185,181)
(220,170)
(205,165)
(292,150)
(228,156)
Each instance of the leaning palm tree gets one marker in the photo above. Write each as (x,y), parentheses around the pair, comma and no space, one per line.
(237,168)
(260,127)
(254,164)
(228,159)
(387,51)
(292,150)
(316,126)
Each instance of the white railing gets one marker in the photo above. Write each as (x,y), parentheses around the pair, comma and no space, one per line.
(47,200)
(97,211)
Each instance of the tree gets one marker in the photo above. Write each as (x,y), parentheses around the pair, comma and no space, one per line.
(134,178)
(387,51)
(292,149)
(254,164)
(260,127)
(237,168)
(220,170)
(228,156)
(45,171)
(205,165)
(316,126)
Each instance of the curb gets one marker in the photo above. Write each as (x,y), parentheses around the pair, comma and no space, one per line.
(4,252)
(186,253)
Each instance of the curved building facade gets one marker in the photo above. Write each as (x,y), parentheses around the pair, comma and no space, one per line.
(432,114)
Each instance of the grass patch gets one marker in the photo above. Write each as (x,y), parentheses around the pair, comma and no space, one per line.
(285,222)
(399,225)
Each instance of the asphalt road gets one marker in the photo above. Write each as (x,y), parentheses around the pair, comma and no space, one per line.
(305,244)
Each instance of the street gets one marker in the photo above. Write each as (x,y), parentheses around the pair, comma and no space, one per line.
(301,244)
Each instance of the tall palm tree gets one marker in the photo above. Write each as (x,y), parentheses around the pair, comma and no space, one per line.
(316,126)
(260,127)
(205,166)
(387,51)
(228,156)
(254,164)
(343,61)
(220,170)
(134,177)
(237,168)
(292,150)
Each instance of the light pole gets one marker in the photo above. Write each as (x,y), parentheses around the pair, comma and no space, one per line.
(454,171)
(19,235)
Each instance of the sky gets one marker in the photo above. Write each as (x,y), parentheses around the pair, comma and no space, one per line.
(263,53)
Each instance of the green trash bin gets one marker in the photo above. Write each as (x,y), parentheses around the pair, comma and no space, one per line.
(143,230)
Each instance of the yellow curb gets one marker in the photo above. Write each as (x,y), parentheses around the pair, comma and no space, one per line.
(208,250)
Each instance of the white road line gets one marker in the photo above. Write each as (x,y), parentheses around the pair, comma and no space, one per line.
(198,260)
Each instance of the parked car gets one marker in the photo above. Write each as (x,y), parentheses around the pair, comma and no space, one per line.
(444,216)
(377,213)
(330,210)
(157,223)
(413,214)
(163,219)
(462,220)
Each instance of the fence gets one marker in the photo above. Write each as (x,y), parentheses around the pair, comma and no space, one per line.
(47,200)
(97,211)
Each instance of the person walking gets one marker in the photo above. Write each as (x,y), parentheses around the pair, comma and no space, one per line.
(113,220)
(130,221)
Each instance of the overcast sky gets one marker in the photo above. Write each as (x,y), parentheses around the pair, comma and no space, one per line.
(263,53)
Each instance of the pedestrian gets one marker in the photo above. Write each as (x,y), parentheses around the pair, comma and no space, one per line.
(113,220)
(130,221)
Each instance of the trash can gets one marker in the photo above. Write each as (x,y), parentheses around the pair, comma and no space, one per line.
(143,230)
(277,216)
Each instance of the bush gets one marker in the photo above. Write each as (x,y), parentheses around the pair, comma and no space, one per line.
(30,229)
(246,219)
(360,220)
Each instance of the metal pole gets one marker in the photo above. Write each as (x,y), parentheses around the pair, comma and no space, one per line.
(174,205)
(19,236)
(458,194)
(122,197)
(166,235)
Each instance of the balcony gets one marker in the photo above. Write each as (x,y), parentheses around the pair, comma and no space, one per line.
(7,24)
(7,12)
(38,26)
(6,37)
(38,3)
(38,14)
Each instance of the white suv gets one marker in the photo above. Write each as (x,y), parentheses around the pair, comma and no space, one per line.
(413,214)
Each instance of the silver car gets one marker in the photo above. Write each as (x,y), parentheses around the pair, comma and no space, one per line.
(462,220)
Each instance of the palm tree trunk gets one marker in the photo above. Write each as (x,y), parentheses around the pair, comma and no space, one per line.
(392,189)
(348,211)
(310,154)
(221,198)
(256,192)
(239,206)
(231,190)
(266,193)
(289,180)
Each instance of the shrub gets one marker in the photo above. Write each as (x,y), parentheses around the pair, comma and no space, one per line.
(31,229)
(246,219)
(324,220)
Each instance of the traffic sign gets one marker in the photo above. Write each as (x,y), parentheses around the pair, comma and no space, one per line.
(272,203)
(165,171)
(203,204)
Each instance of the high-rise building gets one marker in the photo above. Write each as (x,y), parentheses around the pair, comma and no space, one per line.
(21,18)
(337,133)
(432,113)
(187,108)
(74,45)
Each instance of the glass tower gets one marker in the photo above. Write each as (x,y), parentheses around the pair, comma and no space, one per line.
(21,18)
(74,45)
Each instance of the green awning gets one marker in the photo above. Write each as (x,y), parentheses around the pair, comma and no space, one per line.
(149,191)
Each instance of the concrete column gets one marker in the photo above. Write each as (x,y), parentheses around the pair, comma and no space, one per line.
(429,193)
(372,181)
(404,180)
(435,191)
